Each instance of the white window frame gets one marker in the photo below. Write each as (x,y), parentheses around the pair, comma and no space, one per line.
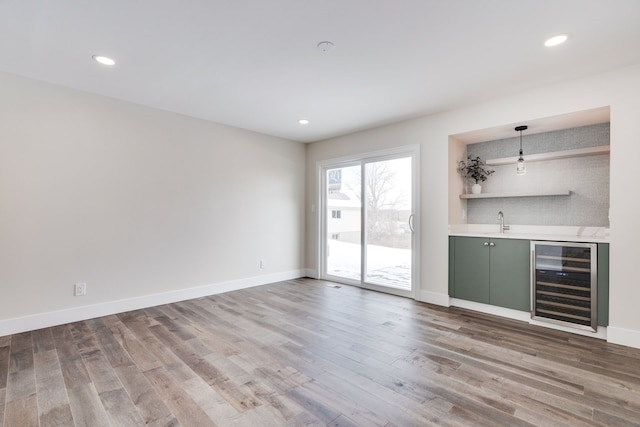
(322,166)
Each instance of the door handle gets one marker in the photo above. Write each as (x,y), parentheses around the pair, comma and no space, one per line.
(492,244)
(486,243)
(411,223)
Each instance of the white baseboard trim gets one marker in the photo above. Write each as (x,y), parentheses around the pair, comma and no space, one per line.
(601,332)
(524,316)
(434,298)
(61,317)
(628,337)
(491,309)
(312,273)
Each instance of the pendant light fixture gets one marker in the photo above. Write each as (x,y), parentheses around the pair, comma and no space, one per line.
(520,168)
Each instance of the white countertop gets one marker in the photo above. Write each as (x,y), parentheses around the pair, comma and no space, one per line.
(533,232)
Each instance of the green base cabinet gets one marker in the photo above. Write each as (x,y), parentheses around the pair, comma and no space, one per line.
(471,269)
(510,274)
(490,271)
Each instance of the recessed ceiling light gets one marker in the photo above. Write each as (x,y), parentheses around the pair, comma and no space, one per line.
(325,46)
(303,121)
(556,40)
(104,60)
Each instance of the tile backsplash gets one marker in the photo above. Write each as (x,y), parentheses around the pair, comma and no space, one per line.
(586,177)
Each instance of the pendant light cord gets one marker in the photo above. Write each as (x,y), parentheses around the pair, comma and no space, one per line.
(521,143)
(520,168)
(520,129)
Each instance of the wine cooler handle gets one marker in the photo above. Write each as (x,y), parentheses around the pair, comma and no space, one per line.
(533,281)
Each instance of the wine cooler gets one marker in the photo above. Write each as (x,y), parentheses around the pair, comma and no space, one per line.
(564,283)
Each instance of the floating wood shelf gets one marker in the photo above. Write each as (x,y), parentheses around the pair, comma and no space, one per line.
(516,194)
(580,152)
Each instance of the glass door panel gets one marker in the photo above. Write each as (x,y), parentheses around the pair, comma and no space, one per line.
(368,236)
(388,234)
(343,218)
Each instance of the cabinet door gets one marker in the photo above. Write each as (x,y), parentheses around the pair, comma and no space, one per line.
(471,269)
(510,274)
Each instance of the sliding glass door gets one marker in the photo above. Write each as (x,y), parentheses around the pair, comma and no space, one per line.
(343,217)
(368,219)
(388,223)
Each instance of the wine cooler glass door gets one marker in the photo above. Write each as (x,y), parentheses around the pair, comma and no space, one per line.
(564,284)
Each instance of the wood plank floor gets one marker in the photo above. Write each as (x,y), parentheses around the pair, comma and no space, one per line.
(302,352)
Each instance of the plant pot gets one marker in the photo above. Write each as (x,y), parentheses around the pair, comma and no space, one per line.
(476,188)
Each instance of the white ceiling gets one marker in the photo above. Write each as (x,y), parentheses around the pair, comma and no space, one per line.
(253,64)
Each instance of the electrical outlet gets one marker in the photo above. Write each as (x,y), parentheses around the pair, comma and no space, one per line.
(80,289)
(263,263)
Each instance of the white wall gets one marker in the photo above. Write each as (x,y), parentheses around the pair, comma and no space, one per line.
(135,202)
(619,89)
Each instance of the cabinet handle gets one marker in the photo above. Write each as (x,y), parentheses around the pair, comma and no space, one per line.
(486,243)
(492,244)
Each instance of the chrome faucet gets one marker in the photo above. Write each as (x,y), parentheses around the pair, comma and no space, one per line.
(501,219)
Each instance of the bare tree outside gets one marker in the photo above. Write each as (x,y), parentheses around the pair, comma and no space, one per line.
(387,205)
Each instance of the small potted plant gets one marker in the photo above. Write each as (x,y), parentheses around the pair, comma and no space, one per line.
(474,169)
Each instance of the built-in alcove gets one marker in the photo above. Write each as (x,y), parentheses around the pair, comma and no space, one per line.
(567,180)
